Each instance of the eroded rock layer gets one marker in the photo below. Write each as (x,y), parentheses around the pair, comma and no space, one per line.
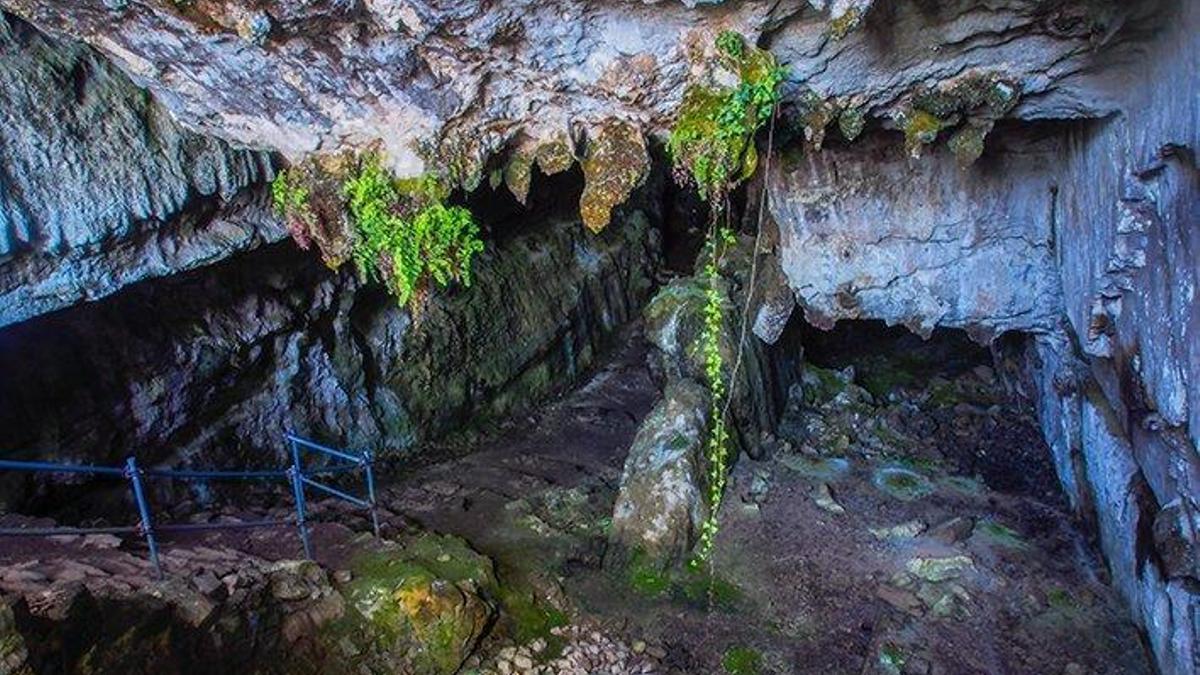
(1014,166)
(100,187)
(211,367)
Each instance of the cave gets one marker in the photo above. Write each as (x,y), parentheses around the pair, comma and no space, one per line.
(374,336)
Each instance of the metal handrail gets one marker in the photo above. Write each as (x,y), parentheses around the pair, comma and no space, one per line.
(296,475)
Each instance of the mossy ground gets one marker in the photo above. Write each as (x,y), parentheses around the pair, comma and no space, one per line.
(741,661)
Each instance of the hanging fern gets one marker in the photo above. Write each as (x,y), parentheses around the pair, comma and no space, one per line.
(405,236)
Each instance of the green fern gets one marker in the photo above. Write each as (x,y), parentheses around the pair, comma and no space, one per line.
(406,236)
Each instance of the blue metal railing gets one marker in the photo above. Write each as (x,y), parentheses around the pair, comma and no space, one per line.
(296,475)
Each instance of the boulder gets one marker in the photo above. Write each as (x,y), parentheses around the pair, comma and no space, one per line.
(13,654)
(661,502)
(419,608)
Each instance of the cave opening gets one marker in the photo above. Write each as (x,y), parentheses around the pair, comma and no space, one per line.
(576,442)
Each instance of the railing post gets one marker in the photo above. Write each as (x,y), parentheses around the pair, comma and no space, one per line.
(368,462)
(297,476)
(146,525)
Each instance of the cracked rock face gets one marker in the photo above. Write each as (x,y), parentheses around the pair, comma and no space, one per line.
(320,76)
(920,243)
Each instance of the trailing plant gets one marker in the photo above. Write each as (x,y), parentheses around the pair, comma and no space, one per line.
(405,235)
(717,445)
(712,142)
(399,232)
(712,147)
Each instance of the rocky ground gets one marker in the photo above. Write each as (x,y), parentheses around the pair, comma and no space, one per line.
(915,530)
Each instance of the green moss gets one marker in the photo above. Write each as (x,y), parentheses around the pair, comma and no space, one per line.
(740,660)
(920,129)
(1001,535)
(979,97)
(1060,599)
(528,619)
(423,603)
(903,484)
(645,578)
(828,385)
(707,590)
(711,142)
(892,658)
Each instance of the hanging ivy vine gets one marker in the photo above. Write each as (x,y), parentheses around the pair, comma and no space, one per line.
(712,148)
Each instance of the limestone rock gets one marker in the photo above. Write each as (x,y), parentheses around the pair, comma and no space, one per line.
(661,503)
(921,244)
(939,569)
(13,654)
(378,381)
(1175,532)
(101,187)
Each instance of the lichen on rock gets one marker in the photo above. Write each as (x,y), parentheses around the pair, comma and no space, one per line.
(555,155)
(970,103)
(661,505)
(814,114)
(518,174)
(967,141)
(423,605)
(852,120)
(920,129)
(615,164)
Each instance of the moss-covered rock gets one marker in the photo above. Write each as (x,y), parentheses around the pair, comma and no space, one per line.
(852,121)
(616,163)
(420,608)
(969,103)
(13,654)
(518,174)
(903,484)
(967,142)
(921,128)
(556,155)
(661,504)
(815,113)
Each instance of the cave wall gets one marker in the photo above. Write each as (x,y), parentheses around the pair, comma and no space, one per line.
(148,307)
(208,368)
(1121,393)
(100,187)
(1080,234)
(865,231)
(1077,227)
